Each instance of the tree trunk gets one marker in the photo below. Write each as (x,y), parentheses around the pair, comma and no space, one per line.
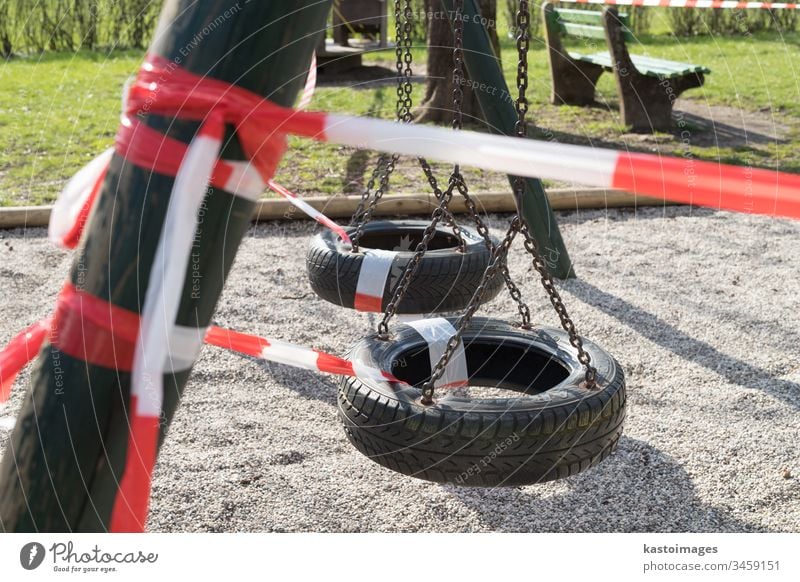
(437,103)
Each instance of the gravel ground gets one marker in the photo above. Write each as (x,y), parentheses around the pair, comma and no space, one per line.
(700,307)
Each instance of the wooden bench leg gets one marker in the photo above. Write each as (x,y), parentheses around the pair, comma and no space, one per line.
(646,102)
(692,81)
(573,81)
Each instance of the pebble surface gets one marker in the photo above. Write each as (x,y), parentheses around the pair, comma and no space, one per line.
(701,308)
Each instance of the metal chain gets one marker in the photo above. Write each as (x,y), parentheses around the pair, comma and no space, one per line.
(413,264)
(458,99)
(483,230)
(369,200)
(441,211)
(437,192)
(404,58)
(366,215)
(498,262)
(458,66)
(362,204)
(523,26)
(555,298)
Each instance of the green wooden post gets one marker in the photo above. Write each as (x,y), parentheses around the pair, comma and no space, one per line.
(497,106)
(66,453)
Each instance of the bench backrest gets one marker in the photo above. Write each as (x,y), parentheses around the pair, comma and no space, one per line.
(582,23)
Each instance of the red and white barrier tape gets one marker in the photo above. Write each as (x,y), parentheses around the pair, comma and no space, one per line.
(298,202)
(682,180)
(159,312)
(118,348)
(375,268)
(292,355)
(147,148)
(693,4)
(311,84)
(71,209)
(161,88)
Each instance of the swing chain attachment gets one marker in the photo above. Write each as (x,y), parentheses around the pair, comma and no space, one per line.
(523,38)
(496,264)
(449,218)
(499,257)
(388,164)
(561,310)
(441,212)
(404,58)
(411,268)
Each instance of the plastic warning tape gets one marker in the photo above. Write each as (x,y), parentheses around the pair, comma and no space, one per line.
(437,332)
(693,4)
(375,268)
(682,180)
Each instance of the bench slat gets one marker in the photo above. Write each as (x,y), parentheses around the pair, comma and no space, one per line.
(582,30)
(590,31)
(585,16)
(645,65)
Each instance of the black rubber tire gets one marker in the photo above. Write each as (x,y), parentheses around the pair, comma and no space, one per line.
(445,279)
(557,429)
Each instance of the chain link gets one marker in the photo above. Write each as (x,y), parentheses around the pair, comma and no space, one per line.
(498,260)
(523,28)
(458,66)
(500,253)
(413,264)
(404,59)
(555,298)
(483,230)
(437,192)
(366,215)
(386,165)
(456,179)
(362,204)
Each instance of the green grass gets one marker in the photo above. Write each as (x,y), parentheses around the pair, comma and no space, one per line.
(56,113)
(60,110)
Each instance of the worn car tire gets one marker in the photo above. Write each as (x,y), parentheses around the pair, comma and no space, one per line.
(556,428)
(445,280)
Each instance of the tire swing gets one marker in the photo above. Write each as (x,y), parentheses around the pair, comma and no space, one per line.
(363,275)
(567,418)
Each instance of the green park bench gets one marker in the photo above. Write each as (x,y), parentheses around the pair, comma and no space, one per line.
(648,87)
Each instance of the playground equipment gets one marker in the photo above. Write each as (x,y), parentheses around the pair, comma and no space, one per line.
(445,278)
(448,272)
(402,426)
(365,273)
(130,321)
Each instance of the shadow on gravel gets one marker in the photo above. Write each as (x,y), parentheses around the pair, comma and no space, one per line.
(660,332)
(637,489)
(304,383)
